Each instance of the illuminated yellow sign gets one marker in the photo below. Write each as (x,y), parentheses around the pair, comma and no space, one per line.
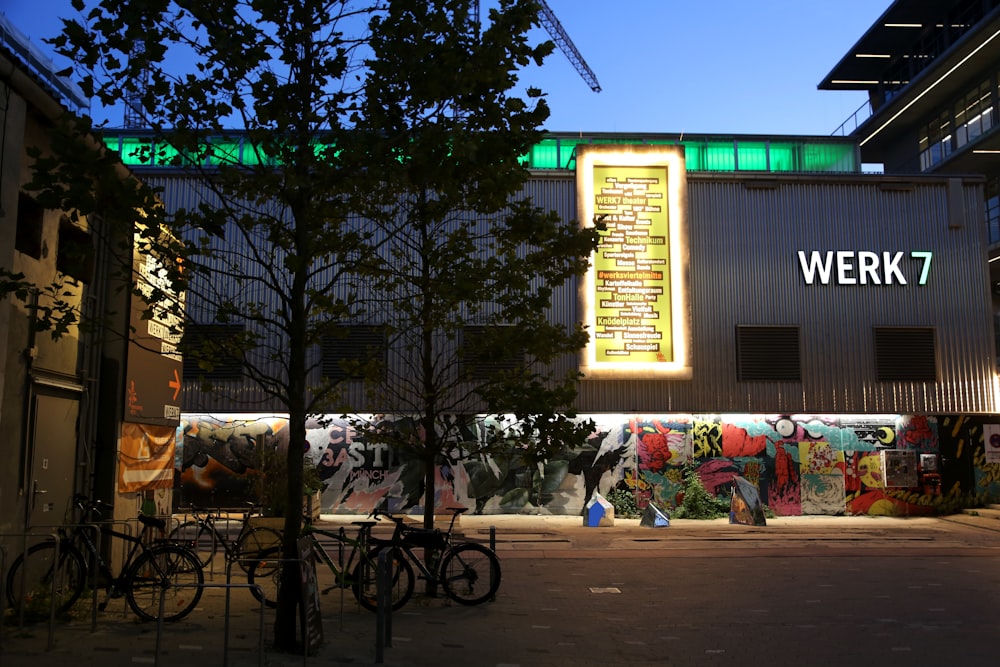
(635,294)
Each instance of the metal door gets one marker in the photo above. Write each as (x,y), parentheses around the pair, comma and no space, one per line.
(53,457)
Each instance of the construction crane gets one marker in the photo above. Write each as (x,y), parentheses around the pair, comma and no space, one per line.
(565,44)
(548,19)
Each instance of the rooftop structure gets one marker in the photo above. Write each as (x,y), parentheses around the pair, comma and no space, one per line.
(708,153)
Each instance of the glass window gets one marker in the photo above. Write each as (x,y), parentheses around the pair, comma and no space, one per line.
(935,141)
(973,115)
(993,210)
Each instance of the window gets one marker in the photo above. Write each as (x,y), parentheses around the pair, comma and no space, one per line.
(485,355)
(355,353)
(30,216)
(973,115)
(212,346)
(768,354)
(935,141)
(905,354)
(75,257)
(993,210)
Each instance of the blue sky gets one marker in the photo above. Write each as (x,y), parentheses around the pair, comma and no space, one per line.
(673,66)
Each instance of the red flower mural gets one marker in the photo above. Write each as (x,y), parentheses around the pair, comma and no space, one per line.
(654,451)
(736,442)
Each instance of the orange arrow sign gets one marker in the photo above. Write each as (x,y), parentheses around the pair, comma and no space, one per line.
(175,384)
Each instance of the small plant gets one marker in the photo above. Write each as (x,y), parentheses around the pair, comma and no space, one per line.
(271,480)
(698,503)
(623,501)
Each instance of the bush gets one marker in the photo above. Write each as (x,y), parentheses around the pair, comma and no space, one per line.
(698,502)
(623,501)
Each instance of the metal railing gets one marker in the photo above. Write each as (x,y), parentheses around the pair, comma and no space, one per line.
(855,120)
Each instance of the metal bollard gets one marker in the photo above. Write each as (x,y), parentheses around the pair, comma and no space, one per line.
(383,603)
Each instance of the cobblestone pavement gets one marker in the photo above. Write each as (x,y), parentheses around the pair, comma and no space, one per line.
(428,630)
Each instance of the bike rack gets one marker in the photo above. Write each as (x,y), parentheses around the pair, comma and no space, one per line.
(229,574)
(24,537)
(225,638)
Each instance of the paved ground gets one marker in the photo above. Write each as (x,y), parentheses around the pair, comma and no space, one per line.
(548,563)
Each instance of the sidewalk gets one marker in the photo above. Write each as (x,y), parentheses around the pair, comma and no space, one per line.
(521,541)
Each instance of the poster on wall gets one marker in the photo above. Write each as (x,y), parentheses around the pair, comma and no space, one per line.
(899,468)
(991,440)
(635,294)
(146,457)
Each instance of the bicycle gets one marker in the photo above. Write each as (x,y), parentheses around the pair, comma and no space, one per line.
(202,535)
(356,572)
(468,572)
(149,572)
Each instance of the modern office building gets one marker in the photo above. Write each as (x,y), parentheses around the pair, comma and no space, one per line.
(931,73)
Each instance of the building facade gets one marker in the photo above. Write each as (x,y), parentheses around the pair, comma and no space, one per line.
(827,335)
(930,70)
(63,399)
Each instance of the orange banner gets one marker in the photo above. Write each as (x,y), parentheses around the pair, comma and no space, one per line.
(146,457)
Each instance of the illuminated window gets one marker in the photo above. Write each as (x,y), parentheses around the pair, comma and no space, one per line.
(905,354)
(768,354)
(973,115)
(993,210)
(935,141)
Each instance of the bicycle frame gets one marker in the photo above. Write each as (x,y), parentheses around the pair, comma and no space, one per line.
(341,569)
(399,542)
(79,536)
(206,518)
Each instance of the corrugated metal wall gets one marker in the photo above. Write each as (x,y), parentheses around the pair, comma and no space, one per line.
(745,231)
(744,236)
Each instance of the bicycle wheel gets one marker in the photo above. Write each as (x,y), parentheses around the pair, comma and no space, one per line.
(38,575)
(364,582)
(166,571)
(253,543)
(265,571)
(197,537)
(470,573)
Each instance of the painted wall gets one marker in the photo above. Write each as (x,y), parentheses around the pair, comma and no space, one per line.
(801,464)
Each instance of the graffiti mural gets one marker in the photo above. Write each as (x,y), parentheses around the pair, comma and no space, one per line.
(801,464)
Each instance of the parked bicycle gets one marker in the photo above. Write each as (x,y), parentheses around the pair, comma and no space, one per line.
(468,572)
(347,558)
(153,568)
(203,536)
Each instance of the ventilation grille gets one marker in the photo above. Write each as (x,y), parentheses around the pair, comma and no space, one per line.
(480,361)
(209,342)
(905,354)
(353,352)
(769,354)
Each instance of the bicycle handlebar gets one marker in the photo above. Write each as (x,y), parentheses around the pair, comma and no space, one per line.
(88,505)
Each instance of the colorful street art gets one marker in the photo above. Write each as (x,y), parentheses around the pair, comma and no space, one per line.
(800,464)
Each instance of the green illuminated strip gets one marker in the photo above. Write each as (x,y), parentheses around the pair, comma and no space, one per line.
(559,153)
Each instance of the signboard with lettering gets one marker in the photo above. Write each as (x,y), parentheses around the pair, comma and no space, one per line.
(635,295)
(991,440)
(864,267)
(311,614)
(153,374)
